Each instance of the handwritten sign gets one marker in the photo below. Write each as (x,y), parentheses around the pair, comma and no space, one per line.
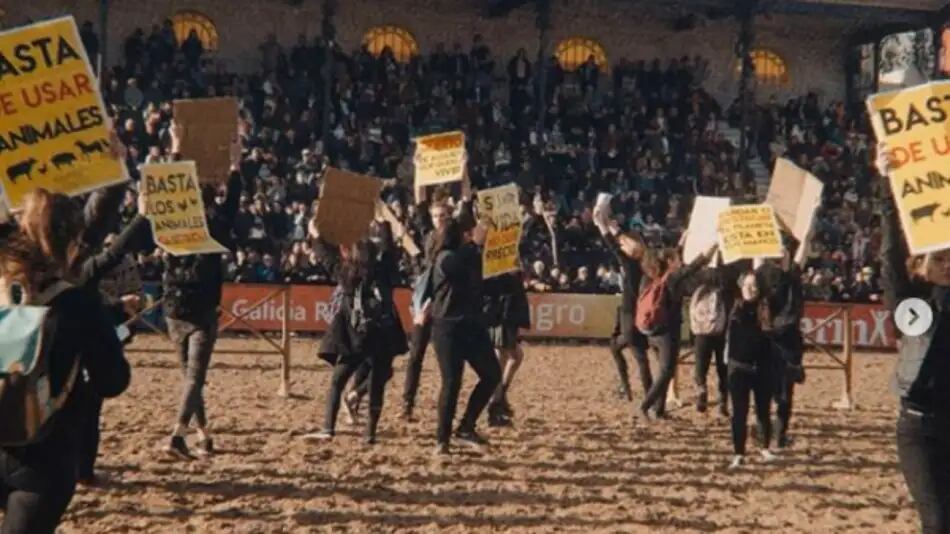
(176,210)
(54,134)
(500,254)
(440,158)
(915,124)
(795,194)
(749,232)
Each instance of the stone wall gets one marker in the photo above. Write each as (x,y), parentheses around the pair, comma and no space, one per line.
(812,47)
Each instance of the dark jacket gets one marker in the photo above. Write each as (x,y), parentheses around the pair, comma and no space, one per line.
(632,275)
(922,377)
(192,284)
(457,286)
(786,300)
(747,346)
(77,327)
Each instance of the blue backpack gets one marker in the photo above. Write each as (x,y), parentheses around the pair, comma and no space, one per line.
(27,404)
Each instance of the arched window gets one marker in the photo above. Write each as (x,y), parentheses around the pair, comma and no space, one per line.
(769,67)
(185,21)
(573,52)
(400,41)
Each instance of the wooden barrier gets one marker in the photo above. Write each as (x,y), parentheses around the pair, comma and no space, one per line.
(842,361)
(282,348)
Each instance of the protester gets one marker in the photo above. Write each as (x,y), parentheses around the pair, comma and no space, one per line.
(709,315)
(507,312)
(37,480)
(750,366)
(458,330)
(922,378)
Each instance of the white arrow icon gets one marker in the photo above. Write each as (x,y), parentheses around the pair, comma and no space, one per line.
(913,317)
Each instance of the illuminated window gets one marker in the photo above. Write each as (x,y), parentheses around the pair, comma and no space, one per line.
(573,52)
(402,44)
(185,21)
(768,66)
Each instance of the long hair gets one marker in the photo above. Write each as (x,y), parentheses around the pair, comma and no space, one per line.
(23,262)
(55,223)
(762,311)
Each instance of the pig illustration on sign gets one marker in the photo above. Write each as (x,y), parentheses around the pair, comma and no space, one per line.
(924,212)
(63,159)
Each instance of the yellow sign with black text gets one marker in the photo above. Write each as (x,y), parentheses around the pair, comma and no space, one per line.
(749,232)
(915,125)
(440,158)
(500,253)
(176,210)
(54,131)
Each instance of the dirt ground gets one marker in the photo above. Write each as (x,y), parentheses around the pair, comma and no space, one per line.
(575,461)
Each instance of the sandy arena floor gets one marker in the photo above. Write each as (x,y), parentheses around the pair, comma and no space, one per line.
(575,461)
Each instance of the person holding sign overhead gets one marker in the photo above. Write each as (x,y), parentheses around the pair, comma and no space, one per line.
(922,379)
(192,287)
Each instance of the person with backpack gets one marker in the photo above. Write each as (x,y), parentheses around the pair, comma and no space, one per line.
(922,377)
(365,332)
(507,309)
(192,287)
(39,448)
(459,331)
(628,251)
(659,317)
(750,366)
(708,315)
(422,320)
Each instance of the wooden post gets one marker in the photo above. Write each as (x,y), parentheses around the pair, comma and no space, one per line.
(284,390)
(847,400)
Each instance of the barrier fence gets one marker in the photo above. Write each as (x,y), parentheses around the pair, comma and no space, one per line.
(834,330)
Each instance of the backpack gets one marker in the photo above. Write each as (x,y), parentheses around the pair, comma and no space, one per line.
(653,307)
(707,313)
(26,402)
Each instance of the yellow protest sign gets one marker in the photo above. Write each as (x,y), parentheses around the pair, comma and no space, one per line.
(176,210)
(914,124)
(440,158)
(500,253)
(54,132)
(749,232)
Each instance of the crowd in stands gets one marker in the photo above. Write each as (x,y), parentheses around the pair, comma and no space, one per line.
(645,131)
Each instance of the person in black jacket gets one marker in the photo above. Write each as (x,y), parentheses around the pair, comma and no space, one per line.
(664,336)
(192,287)
(922,379)
(422,323)
(365,332)
(750,366)
(782,284)
(459,331)
(37,481)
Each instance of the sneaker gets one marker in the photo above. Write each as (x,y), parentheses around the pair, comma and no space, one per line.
(351,408)
(768,456)
(506,410)
(471,438)
(624,393)
(736,462)
(702,402)
(784,442)
(723,408)
(205,447)
(369,440)
(497,417)
(178,449)
(323,435)
(442,450)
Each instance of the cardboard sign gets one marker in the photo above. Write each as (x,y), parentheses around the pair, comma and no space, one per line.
(795,194)
(347,206)
(55,134)
(176,210)
(440,158)
(701,234)
(915,125)
(749,232)
(500,253)
(209,126)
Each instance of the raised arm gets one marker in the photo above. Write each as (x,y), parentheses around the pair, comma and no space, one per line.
(96,267)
